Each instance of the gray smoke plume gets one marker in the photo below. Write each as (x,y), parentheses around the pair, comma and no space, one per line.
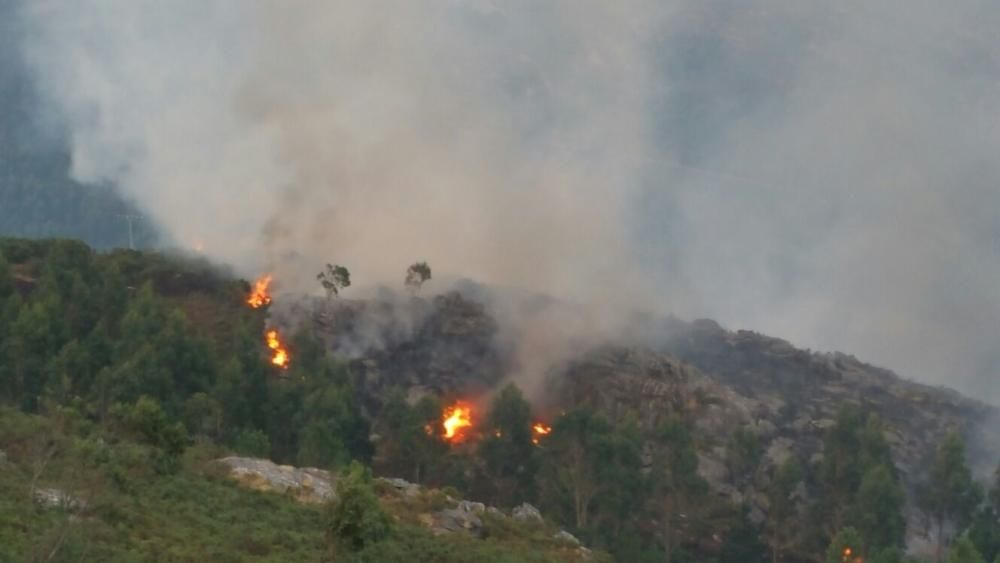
(825,172)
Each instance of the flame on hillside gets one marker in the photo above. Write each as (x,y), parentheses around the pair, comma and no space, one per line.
(538,430)
(455,421)
(848,552)
(260,295)
(279,355)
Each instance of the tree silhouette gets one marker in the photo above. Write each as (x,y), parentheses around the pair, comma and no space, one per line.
(334,279)
(416,275)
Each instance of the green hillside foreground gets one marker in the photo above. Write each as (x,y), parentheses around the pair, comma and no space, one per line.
(132,513)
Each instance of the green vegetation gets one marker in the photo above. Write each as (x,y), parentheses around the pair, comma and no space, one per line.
(133,511)
(124,374)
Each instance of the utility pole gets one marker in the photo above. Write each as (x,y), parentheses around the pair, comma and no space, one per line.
(130,219)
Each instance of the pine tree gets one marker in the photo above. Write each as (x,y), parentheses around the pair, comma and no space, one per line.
(507,450)
(782,511)
(963,551)
(985,529)
(879,509)
(950,495)
(674,474)
(845,547)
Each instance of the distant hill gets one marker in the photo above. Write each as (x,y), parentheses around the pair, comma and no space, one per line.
(38,198)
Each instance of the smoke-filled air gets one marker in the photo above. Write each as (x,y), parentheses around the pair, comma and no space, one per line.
(826,172)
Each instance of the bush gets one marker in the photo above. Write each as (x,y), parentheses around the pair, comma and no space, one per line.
(355,518)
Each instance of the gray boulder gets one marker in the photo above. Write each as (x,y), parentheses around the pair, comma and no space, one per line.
(463,518)
(402,486)
(526,513)
(58,498)
(567,537)
(307,484)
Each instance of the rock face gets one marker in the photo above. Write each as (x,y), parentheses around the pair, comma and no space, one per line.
(801,392)
(444,344)
(57,498)
(462,518)
(719,379)
(314,485)
(526,513)
(306,484)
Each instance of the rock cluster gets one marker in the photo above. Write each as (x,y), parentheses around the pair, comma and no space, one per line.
(311,485)
(305,484)
(58,498)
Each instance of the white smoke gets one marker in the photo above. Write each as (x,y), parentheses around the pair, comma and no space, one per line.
(822,172)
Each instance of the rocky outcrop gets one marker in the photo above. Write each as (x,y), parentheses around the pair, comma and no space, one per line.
(58,498)
(464,517)
(718,380)
(526,513)
(310,485)
(446,344)
(305,484)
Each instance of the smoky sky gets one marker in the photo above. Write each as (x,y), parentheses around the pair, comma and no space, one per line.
(823,172)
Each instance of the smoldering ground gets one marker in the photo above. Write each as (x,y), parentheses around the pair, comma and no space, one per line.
(823,172)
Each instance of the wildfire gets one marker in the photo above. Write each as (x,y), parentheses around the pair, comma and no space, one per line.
(538,430)
(848,552)
(455,420)
(280,354)
(259,296)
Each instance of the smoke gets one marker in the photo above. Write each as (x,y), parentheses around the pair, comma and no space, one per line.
(822,172)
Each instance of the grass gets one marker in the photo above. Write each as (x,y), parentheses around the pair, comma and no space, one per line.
(133,514)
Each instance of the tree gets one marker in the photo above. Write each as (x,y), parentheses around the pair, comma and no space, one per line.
(148,419)
(333,429)
(842,470)
(743,454)
(571,462)
(405,447)
(7,283)
(950,495)
(859,481)
(963,551)
(355,519)
(985,529)
(507,451)
(416,275)
(743,544)
(334,279)
(845,547)
(782,511)
(674,476)
(880,511)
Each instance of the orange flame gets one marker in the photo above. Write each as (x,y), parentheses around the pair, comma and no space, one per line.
(259,296)
(456,419)
(280,355)
(538,430)
(847,556)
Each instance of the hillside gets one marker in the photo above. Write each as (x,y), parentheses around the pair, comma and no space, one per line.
(127,376)
(723,382)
